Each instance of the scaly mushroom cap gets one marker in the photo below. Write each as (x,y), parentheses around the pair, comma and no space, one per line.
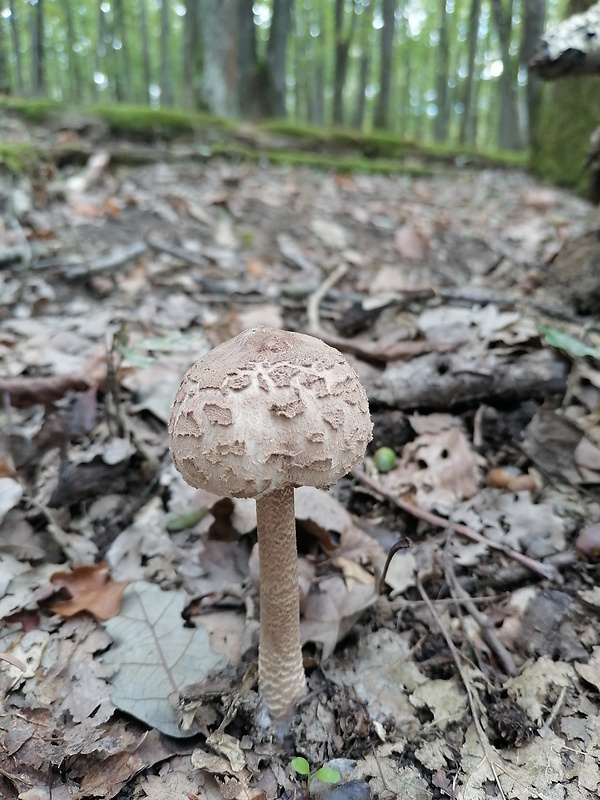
(265,410)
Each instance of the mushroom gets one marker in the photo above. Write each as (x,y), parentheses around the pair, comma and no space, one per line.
(261,414)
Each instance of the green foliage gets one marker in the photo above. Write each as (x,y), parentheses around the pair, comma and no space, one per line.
(324,774)
(570,345)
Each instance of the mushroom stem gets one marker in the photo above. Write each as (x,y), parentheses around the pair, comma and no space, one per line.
(281,677)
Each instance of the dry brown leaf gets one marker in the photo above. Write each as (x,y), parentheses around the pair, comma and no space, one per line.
(91,590)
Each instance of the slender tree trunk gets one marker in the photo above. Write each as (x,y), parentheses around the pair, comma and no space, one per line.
(366,25)
(38,78)
(532,31)
(5,86)
(276,56)
(191,35)
(343,41)
(166,93)
(121,47)
(509,137)
(442,119)
(467,122)
(16,43)
(75,82)
(220,21)
(253,81)
(146,64)
(382,109)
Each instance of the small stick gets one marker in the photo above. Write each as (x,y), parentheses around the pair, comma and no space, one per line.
(486,627)
(544,570)
(314,300)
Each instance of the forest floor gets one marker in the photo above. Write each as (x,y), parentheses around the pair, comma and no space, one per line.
(466,300)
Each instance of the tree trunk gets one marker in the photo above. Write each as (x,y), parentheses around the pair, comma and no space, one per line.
(191,35)
(276,56)
(253,81)
(382,109)
(220,21)
(366,25)
(5,87)
(123,73)
(75,82)
(509,137)
(532,31)
(16,43)
(38,83)
(467,122)
(342,48)
(442,119)
(568,115)
(146,63)
(166,93)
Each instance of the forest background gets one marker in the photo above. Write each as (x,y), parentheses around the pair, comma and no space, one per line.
(447,71)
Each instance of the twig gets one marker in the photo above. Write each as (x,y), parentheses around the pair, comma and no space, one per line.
(487,629)
(107,263)
(544,570)
(465,681)
(314,300)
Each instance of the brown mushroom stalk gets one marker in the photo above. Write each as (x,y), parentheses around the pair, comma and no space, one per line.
(259,415)
(280,669)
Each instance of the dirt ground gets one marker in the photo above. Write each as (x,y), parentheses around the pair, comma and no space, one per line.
(470,667)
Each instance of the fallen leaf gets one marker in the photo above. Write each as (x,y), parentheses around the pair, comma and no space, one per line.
(91,590)
(157,656)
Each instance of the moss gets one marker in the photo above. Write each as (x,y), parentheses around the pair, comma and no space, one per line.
(141,121)
(32,110)
(20,158)
(570,112)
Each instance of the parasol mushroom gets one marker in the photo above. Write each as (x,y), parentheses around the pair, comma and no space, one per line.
(262,413)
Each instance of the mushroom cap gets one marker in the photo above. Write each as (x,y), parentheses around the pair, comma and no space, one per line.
(265,410)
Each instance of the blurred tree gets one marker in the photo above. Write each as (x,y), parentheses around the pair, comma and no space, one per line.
(191,52)
(509,133)
(220,29)
(382,109)
(365,28)
(468,118)
(442,118)
(166,91)
(38,76)
(276,56)
(534,16)
(145,43)
(343,40)
(16,42)
(75,92)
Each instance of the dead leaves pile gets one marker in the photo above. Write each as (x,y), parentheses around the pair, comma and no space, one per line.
(129,600)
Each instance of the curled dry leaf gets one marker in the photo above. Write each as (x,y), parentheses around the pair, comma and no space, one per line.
(91,590)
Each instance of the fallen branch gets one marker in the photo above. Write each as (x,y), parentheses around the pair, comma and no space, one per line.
(543,570)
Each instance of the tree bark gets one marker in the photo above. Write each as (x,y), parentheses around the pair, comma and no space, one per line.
(75,82)
(220,73)
(342,48)
(467,122)
(509,136)
(38,78)
(442,119)
(146,63)
(190,53)
(16,43)
(166,92)
(532,31)
(276,56)
(123,74)
(366,24)
(5,86)
(382,109)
